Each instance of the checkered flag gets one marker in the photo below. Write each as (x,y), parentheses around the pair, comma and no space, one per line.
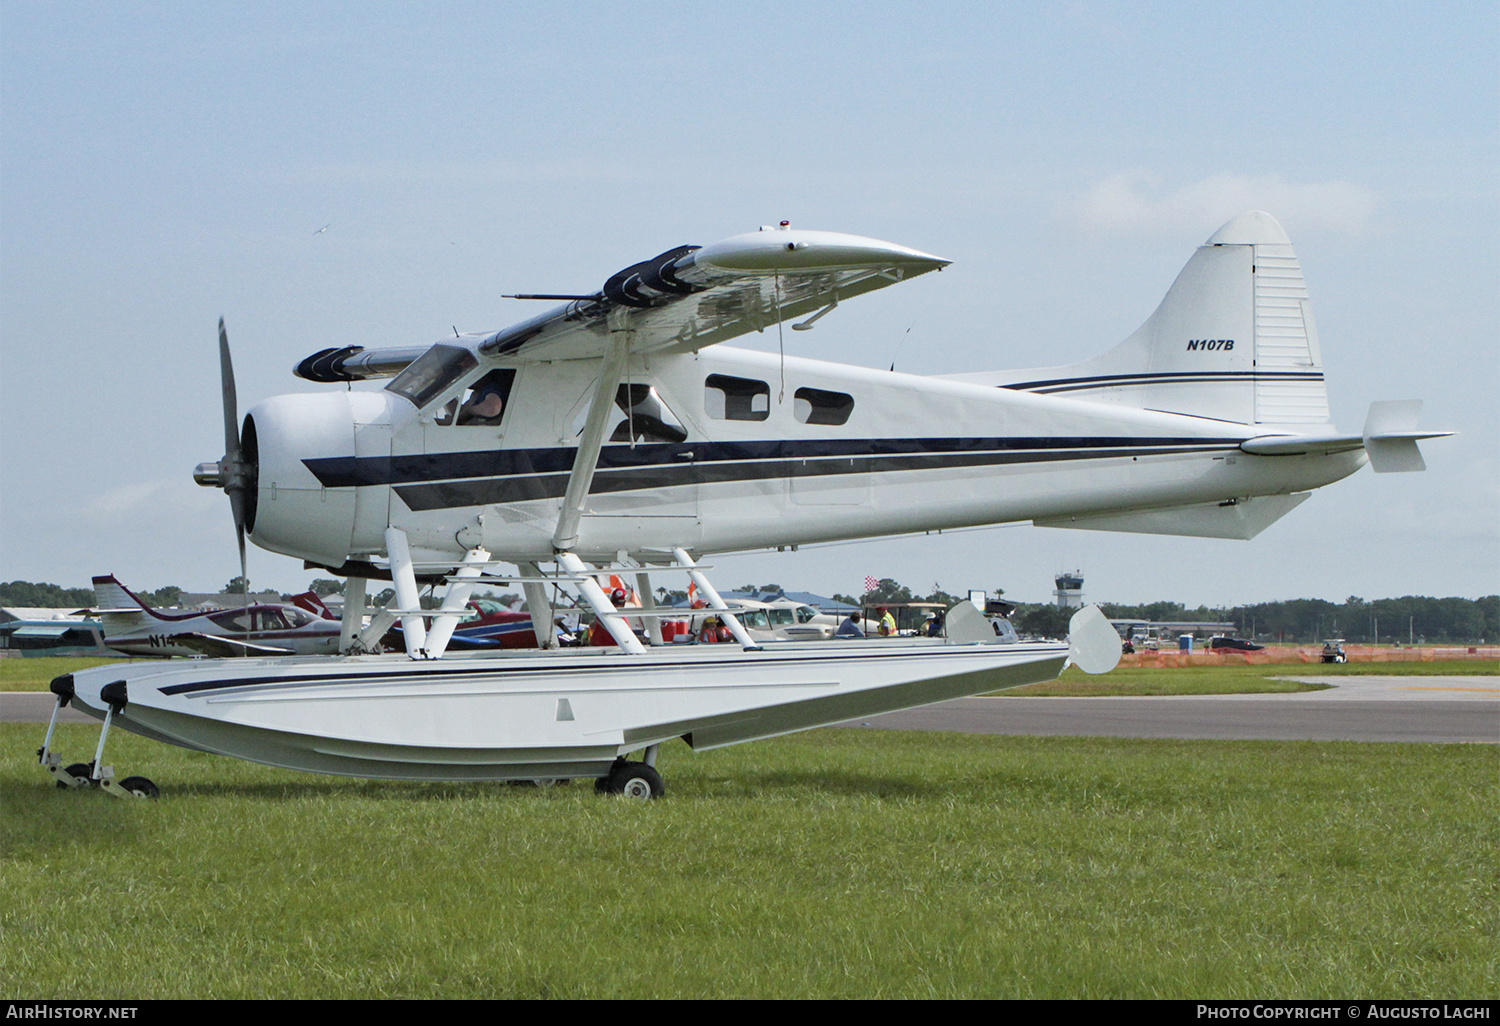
(871,583)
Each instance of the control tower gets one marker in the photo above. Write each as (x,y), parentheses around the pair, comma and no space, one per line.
(1069,593)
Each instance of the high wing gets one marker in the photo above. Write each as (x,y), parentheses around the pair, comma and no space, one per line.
(682,300)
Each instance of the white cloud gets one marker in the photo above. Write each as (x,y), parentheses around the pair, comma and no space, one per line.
(1137,202)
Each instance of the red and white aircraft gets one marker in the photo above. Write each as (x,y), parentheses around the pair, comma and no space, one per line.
(131,626)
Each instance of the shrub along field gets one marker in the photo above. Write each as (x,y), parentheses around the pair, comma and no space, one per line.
(834,863)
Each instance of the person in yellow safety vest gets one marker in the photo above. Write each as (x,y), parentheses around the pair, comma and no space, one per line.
(887,623)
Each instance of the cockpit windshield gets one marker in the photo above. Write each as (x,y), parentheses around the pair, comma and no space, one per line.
(433,373)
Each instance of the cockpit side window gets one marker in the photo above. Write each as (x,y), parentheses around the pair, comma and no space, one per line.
(487,400)
(433,373)
(647,418)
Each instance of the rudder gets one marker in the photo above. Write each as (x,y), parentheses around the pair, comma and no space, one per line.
(119,609)
(1233,340)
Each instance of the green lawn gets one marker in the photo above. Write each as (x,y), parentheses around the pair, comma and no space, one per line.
(835,863)
(35,674)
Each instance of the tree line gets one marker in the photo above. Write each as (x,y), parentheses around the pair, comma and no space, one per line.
(1411,619)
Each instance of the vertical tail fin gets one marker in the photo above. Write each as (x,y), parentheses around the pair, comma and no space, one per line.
(1233,340)
(120,610)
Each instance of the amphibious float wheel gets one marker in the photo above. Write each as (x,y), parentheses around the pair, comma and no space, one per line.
(79,771)
(140,787)
(634,780)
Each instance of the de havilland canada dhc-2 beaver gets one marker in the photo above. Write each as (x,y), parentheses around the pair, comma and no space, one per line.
(615,434)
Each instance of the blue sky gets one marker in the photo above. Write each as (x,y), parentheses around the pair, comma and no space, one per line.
(165,164)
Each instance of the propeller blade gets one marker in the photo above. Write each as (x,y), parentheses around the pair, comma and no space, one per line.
(231,405)
(233,464)
(239,533)
(237,507)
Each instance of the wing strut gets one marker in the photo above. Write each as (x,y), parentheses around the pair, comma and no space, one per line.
(455,603)
(592,440)
(582,476)
(716,602)
(403,578)
(539,604)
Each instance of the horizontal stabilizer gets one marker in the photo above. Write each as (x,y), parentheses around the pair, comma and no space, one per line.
(1234,518)
(1390,438)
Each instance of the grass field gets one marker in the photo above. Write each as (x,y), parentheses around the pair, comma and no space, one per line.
(835,863)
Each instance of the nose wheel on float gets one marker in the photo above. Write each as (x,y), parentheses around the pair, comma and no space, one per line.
(91,774)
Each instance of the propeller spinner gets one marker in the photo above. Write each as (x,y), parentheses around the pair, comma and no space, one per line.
(235,472)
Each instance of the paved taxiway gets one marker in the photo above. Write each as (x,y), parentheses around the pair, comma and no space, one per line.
(1430,709)
(1422,709)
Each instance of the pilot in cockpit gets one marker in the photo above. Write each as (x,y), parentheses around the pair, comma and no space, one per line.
(486,403)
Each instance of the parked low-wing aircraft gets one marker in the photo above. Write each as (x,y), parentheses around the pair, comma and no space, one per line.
(262,629)
(488,624)
(616,432)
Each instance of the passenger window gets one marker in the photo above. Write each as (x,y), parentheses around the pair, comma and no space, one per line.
(647,418)
(727,398)
(780,617)
(234,620)
(816,406)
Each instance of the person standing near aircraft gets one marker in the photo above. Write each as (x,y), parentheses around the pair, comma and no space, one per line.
(850,628)
(887,623)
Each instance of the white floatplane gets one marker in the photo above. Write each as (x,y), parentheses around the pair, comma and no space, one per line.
(615,434)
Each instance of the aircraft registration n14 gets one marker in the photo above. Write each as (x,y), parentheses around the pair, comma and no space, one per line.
(616,433)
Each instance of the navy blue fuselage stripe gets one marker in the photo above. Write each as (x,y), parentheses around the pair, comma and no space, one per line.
(352,472)
(1160,378)
(486,491)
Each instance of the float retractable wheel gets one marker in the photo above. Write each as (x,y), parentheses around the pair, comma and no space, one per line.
(81,772)
(633,780)
(140,787)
